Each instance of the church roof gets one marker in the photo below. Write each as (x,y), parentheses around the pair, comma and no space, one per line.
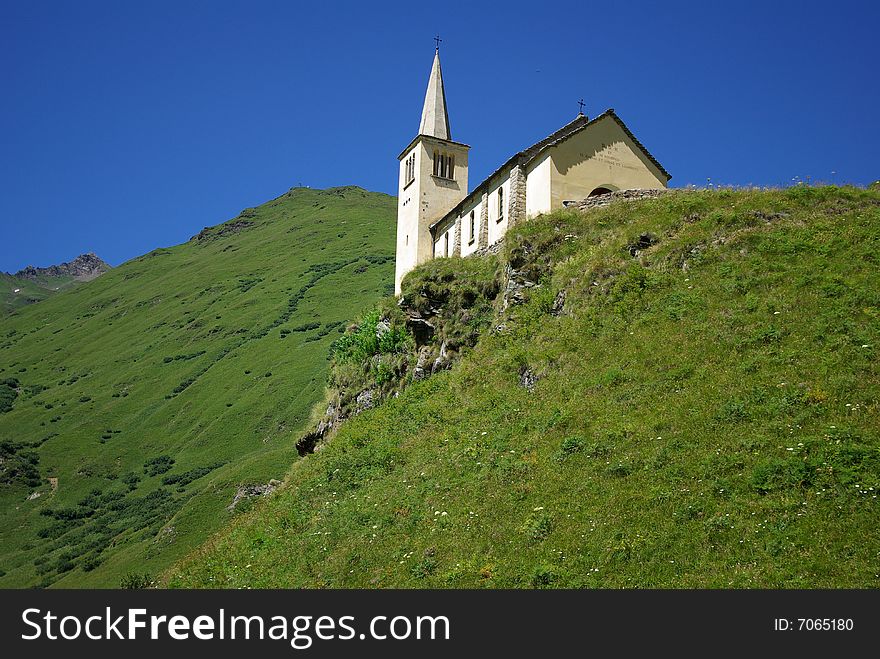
(528,155)
(435,120)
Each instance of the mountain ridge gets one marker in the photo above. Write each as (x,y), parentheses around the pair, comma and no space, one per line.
(84,267)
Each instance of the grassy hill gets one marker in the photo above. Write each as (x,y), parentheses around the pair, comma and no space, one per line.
(16,292)
(134,406)
(35,284)
(688,399)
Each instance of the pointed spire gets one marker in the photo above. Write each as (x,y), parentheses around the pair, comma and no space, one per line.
(435,121)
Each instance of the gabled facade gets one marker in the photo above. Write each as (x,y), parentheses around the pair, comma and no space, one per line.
(437,218)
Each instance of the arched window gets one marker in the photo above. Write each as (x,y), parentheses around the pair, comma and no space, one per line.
(500,204)
(473,229)
(446,244)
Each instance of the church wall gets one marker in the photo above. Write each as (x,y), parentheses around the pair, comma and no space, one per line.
(601,156)
(498,229)
(468,247)
(440,250)
(538,186)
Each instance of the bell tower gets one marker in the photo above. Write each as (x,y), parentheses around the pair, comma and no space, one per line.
(433,178)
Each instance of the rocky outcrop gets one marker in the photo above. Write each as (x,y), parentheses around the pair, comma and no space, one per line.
(527,379)
(517,282)
(249,491)
(228,229)
(643,242)
(332,418)
(84,267)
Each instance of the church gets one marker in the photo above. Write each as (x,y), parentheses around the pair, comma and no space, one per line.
(437,216)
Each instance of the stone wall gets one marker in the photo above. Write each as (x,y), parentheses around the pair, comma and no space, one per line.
(517,207)
(620,195)
(483,238)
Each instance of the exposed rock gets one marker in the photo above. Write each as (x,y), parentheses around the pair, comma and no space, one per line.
(422,329)
(420,372)
(229,228)
(494,248)
(306,444)
(84,267)
(168,534)
(527,378)
(517,283)
(443,360)
(364,401)
(643,242)
(769,217)
(34,495)
(382,328)
(248,491)
(558,305)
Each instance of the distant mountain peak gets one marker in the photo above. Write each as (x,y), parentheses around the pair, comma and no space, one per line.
(84,267)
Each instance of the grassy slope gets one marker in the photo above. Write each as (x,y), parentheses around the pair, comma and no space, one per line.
(29,291)
(715,426)
(95,380)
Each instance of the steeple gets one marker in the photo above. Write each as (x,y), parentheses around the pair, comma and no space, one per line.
(435,121)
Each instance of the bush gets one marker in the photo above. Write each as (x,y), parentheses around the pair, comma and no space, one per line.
(779,474)
(131,479)
(8,393)
(538,526)
(307,327)
(187,477)
(136,581)
(18,465)
(369,338)
(158,465)
(543,576)
(570,446)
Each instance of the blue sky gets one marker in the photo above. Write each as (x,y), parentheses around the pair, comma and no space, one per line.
(131,125)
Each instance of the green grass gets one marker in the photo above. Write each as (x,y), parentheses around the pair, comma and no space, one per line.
(705,415)
(29,291)
(154,391)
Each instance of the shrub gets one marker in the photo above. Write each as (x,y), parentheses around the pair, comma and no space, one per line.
(780,474)
(8,393)
(543,576)
(424,568)
(158,465)
(18,465)
(131,479)
(135,581)
(570,446)
(538,526)
(187,477)
(367,339)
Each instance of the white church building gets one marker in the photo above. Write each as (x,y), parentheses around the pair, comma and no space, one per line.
(436,216)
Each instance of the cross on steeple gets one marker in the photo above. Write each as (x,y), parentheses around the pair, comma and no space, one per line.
(437,40)
(581,106)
